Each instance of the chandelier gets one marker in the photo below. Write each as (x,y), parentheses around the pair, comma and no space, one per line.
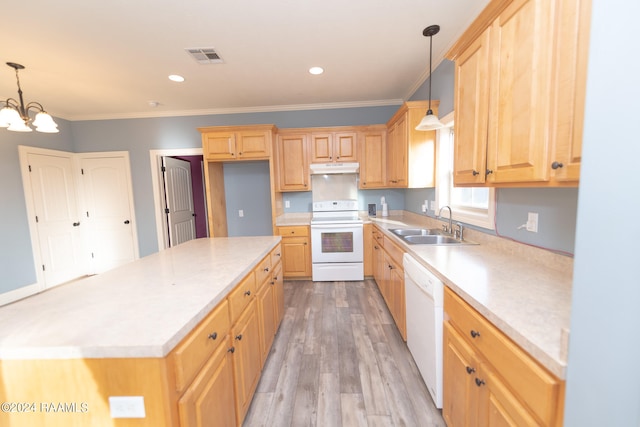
(14,115)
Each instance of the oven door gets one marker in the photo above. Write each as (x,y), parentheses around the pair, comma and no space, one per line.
(337,243)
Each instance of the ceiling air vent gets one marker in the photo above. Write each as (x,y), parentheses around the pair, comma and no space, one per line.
(207,55)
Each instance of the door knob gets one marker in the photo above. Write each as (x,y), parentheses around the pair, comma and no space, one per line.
(126,221)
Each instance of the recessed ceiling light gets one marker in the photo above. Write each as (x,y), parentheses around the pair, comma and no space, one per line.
(316,70)
(176,78)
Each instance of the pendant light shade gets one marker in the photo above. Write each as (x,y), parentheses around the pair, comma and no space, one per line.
(430,121)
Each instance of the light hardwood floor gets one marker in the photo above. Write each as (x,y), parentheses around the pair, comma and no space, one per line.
(338,360)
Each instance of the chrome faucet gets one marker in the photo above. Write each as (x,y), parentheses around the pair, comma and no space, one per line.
(450,228)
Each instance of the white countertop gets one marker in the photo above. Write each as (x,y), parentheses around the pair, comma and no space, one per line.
(528,297)
(141,309)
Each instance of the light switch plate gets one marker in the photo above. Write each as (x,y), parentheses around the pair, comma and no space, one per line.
(532,222)
(127,406)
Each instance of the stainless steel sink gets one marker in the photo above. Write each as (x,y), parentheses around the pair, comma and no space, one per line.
(428,236)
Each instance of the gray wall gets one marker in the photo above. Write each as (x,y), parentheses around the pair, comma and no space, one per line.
(247,187)
(603,380)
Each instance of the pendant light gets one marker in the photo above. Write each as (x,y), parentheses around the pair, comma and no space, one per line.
(430,121)
(15,115)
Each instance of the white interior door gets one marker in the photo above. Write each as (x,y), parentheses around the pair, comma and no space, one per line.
(58,221)
(111,236)
(179,200)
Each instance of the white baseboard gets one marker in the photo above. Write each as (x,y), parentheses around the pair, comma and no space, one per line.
(18,294)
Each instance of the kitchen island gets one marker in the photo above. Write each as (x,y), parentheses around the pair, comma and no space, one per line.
(64,352)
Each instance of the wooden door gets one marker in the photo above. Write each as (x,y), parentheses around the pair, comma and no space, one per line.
(109,213)
(522,47)
(293,166)
(181,219)
(460,368)
(209,401)
(373,159)
(498,406)
(345,147)
(58,220)
(295,256)
(472,112)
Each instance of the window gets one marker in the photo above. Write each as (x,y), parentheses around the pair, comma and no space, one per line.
(471,205)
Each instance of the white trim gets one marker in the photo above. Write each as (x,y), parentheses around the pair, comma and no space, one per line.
(19,293)
(158,191)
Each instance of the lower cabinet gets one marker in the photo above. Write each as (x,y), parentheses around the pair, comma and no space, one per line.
(389,276)
(296,251)
(488,379)
(218,365)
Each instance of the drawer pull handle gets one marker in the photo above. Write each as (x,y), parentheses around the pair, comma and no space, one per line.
(475,172)
(247,293)
(479,382)
(213,336)
(470,370)
(239,337)
(556,165)
(231,349)
(278,254)
(266,269)
(474,334)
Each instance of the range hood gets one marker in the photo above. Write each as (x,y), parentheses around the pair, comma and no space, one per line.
(329,168)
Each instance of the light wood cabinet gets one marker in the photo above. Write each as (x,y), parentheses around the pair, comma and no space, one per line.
(519,94)
(209,400)
(293,161)
(296,251)
(389,276)
(373,156)
(237,143)
(332,147)
(410,154)
(266,304)
(488,380)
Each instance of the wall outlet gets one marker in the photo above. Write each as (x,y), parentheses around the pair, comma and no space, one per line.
(532,222)
(287,204)
(423,207)
(240,213)
(432,205)
(127,406)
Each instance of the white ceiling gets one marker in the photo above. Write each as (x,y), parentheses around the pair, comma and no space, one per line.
(90,59)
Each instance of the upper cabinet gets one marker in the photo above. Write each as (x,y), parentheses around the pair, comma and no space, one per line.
(410,154)
(519,94)
(293,161)
(372,143)
(237,142)
(331,147)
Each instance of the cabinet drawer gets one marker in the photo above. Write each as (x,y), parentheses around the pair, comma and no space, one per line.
(533,384)
(263,271)
(194,350)
(394,251)
(378,237)
(241,296)
(293,231)
(276,256)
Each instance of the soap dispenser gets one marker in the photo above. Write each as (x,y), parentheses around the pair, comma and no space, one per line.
(385,208)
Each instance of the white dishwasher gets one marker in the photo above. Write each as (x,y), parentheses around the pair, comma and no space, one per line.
(424,300)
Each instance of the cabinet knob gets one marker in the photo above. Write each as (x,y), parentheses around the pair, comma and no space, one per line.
(231,349)
(479,382)
(390,267)
(266,269)
(474,334)
(239,337)
(556,165)
(488,172)
(475,172)
(247,293)
(470,370)
(213,336)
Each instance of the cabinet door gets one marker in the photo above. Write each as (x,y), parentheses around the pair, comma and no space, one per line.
(296,257)
(219,145)
(254,145)
(345,147)
(522,47)
(322,148)
(209,401)
(378,263)
(373,146)
(293,166)
(471,112)
(397,150)
(267,318)
(460,367)
(246,358)
(277,282)
(399,311)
